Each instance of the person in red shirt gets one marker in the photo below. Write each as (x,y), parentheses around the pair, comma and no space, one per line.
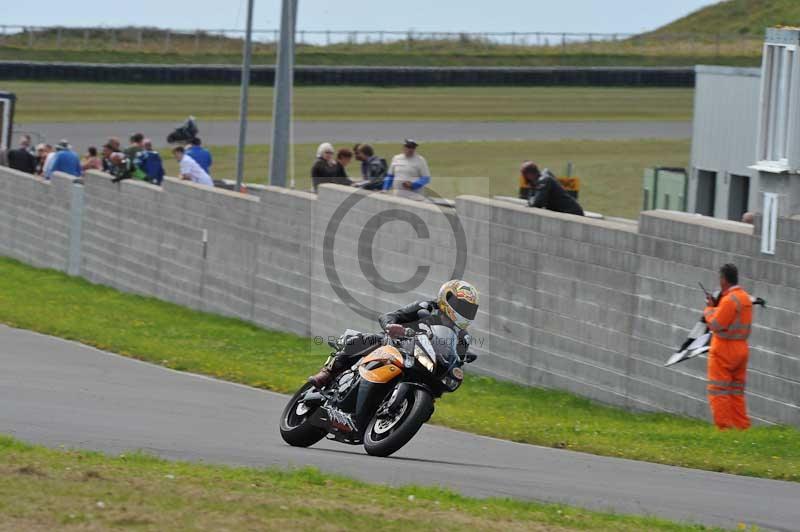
(730,321)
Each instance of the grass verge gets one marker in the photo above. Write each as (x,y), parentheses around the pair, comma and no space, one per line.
(110,102)
(52,303)
(610,171)
(46,489)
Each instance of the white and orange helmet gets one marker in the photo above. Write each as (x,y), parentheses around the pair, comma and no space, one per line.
(458,300)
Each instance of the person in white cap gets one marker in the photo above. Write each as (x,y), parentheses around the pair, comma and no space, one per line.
(65,160)
(409,171)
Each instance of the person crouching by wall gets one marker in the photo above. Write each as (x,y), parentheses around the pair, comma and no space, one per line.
(547,192)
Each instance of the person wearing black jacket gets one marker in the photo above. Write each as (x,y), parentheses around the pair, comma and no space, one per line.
(21,158)
(455,308)
(548,192)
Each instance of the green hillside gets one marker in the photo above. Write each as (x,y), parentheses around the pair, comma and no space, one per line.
(744,17)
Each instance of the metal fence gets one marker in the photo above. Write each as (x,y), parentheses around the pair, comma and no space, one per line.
(230,40)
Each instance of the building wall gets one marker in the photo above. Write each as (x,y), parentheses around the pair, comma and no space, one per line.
(590,306)
(725,132)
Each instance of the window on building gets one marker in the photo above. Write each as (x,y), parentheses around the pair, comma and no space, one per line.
(779,101)
(706,192)
(738,196)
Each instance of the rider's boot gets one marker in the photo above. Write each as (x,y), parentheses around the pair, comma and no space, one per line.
(335,365)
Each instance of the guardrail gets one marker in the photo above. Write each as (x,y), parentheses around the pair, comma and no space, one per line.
(342,75)
(191,41)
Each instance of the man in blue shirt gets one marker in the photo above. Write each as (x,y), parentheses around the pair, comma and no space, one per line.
(65,160)
(201,156)
(149,161)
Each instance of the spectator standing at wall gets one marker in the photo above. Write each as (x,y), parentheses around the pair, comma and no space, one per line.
(201,156)
(120,167)
(64,160)
(91,161)
(21,158)
(324,168)
(189,169)
(44,153)
(343,158)
(135,146)
(409,171)
(361,159)
(149,162)
(548,192)
(108,151)
(114,143)
(374,168)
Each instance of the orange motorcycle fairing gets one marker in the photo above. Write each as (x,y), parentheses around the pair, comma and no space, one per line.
(391,367)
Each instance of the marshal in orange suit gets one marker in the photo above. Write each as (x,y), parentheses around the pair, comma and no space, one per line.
(730,321)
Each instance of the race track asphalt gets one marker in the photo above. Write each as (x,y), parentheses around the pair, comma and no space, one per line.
(225,133)
(56,392)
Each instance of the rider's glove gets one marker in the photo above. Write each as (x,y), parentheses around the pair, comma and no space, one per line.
(395,330)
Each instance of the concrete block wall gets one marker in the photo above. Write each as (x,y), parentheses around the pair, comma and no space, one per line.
(209,249)
(396,254)
(594,307)
(774,370)
(34,218)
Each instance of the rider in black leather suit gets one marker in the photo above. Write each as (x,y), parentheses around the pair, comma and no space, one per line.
(454,296)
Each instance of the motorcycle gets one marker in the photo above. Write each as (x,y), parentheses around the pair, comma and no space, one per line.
(384,398)
(186,132)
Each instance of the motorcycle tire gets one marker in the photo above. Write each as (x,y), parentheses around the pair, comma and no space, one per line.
(415,414)
(296,430)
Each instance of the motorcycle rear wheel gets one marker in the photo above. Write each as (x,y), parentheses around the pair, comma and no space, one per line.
(295,428)
(385,436)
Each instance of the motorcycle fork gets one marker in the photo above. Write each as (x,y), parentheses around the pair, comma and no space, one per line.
(370,396)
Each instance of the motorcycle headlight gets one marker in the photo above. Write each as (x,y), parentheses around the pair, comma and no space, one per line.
(423,358)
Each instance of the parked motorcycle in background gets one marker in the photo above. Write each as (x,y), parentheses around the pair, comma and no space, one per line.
(384,398)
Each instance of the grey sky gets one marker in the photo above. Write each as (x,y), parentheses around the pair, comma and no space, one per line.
(424,15)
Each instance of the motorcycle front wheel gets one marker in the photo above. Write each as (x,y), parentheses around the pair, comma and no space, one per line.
(386,434)
(295,427)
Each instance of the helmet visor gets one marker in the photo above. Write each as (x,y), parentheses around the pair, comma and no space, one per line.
(464,308)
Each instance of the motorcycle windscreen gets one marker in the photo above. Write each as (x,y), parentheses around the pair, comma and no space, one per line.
(696,348)
(444,343)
